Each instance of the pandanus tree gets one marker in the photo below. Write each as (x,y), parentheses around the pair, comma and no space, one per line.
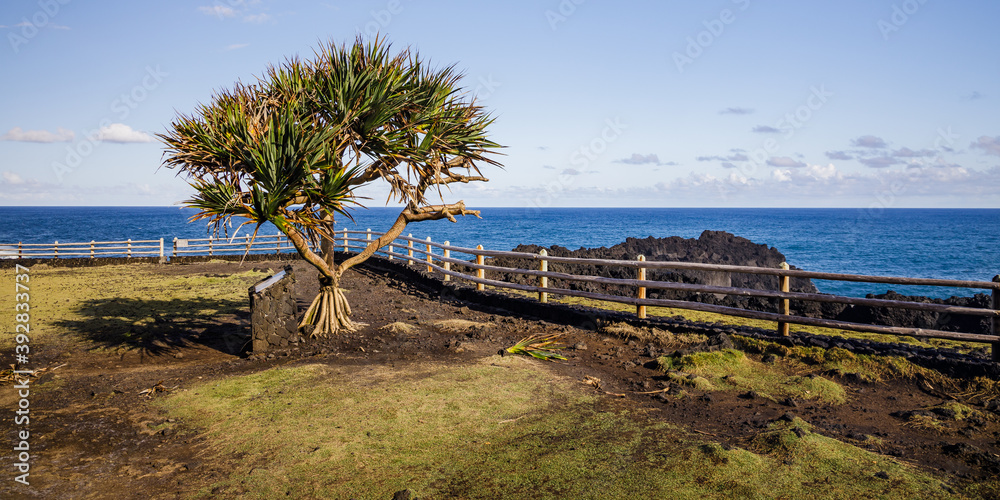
(293,148)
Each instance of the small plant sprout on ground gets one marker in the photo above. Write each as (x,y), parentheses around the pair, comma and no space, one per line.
(539,346)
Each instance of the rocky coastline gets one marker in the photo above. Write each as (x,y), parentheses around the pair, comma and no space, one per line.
(718,247)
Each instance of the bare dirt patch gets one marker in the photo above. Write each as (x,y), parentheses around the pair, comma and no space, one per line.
(98,436)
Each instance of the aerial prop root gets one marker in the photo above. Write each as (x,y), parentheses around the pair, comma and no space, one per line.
(329,313)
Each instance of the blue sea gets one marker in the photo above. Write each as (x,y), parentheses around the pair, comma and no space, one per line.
(927,243)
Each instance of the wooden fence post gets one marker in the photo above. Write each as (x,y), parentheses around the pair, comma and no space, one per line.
(785,308)
(211,247)
(56,250)
(91,249)
(429,260)
(543,281)
(247,239)
(277,245)
(409,250)
(128,243)
(480,273)
(447,255)
(995,321)
(345,239)
(18,249)
(161,247)
(640,310)
(174,254)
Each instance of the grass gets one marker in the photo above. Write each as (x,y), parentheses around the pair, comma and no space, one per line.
(120,301)
(501,428)
(869,368)
(732,370)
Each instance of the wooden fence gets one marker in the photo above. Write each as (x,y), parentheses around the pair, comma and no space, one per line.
(441,262)
(92,249)
(262,244)
(422,252)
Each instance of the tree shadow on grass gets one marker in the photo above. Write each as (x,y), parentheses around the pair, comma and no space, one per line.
(157,327)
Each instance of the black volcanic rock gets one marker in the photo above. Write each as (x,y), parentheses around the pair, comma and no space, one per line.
(921,319)
(712,247)
(718,247)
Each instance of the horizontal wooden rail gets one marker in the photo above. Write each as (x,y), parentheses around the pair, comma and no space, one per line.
(544,291)
(795,273)
(744,292)
(733,311)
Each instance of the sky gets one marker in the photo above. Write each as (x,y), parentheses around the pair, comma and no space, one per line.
(670,103)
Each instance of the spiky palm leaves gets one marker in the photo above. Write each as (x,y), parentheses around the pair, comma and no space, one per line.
(291,149)
(538,346)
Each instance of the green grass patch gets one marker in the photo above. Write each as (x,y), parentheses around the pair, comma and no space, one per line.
(869,368)
(502,428)
(732,370)
(120,305)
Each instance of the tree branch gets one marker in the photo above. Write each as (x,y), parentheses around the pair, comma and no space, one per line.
(408,215)
(302,246)
(450,178)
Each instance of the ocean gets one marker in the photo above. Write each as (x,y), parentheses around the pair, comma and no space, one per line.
(926,243)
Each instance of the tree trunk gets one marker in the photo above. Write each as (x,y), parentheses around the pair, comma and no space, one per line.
(326,245)
(329,312)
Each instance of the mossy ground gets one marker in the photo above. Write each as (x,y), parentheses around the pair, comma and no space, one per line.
(732,370)
(500,428)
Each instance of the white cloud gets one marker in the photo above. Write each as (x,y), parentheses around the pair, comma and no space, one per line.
(19,135)
(784,162)
(217,10)
(640,159)
(870,141)
(121,133)
(236,46)
(909,153)
(12,178)
(256,18)
(736,111)
(820,172)
(739,156)
(879,162)
(811,186)
(571,171)
(989,144)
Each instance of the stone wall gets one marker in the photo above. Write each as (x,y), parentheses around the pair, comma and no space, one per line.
(273,311)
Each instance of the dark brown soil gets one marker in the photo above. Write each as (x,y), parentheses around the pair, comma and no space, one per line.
(93,437)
